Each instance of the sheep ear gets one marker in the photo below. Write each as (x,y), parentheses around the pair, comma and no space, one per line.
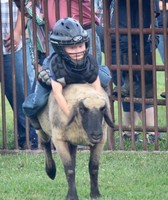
(108,118)
(72,116)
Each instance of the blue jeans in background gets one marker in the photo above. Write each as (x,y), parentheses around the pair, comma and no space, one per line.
(161,46)
(30,67)
(98,46)
(19,71)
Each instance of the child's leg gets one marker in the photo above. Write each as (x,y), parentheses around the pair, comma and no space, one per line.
(105,77)
(35,102)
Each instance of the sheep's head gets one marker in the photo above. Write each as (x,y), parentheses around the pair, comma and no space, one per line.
(91,113)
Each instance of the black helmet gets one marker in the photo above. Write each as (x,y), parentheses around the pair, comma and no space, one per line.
(68,31)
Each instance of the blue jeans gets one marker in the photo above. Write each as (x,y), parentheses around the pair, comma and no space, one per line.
(161,36)
(104,75)
(30,67)
(98,46)
(161,46)
(19,71)
(36,101)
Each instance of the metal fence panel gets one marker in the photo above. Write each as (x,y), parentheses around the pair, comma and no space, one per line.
(112,34)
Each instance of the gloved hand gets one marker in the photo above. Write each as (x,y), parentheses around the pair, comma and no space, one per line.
(44,77)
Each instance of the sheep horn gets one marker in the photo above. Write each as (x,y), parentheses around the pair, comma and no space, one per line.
(108,118)
(72,116)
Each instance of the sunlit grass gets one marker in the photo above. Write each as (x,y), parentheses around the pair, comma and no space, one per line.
(122,176)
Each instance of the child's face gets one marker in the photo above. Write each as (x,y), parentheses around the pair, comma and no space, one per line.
(76,52)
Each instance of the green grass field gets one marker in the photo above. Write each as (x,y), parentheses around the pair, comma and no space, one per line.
(122,176)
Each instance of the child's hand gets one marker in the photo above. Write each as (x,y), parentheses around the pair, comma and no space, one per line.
(43,76)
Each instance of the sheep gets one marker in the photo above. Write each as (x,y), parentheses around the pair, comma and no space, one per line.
(87,125)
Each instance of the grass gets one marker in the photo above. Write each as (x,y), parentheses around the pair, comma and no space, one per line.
(122,176)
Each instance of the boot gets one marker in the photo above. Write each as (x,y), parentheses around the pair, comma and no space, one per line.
(125,86)
(35,123)
(107,90)
(137,89)
(149,90)
(163,94)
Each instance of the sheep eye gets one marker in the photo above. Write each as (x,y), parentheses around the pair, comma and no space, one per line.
(82,109)
(103,109)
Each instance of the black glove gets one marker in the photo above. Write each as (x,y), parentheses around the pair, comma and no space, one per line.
(44,78)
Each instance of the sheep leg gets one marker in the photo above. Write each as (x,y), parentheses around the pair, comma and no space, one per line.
(93,171)
(72,149)
(68,157)
(50,166)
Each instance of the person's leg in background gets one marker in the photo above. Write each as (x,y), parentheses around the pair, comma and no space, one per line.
(113,44)
(150,122)
(128,120)
(161,47)
(19,94)
(150,136)
(148,79)
(30,67)
(98,46)
(31,81)
(123,43)
(161,52)
(149,112)
(113,55)
(100,33)
(161,44)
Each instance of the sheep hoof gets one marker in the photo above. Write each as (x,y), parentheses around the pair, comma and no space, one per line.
(51,171)
(95,195)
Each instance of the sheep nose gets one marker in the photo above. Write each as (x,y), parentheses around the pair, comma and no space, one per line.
(96,136)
